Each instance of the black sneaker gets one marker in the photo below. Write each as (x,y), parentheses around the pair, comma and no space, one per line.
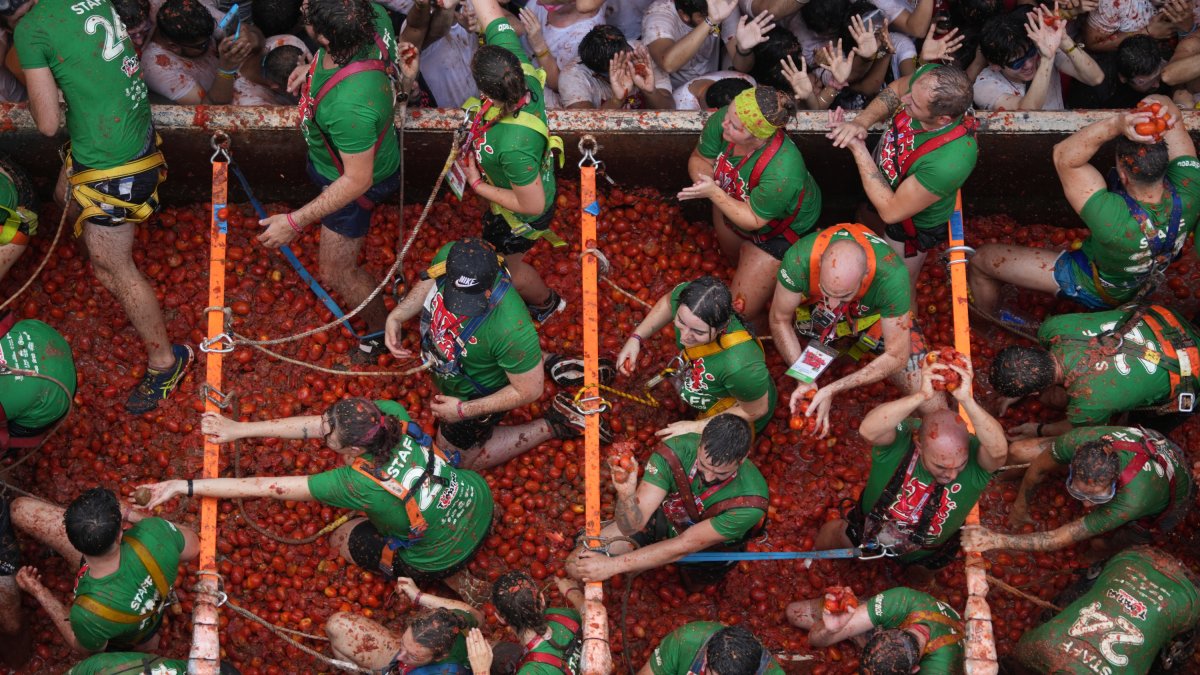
(10,552)
(157,385)
(369,349)
(553,306)
(568,421)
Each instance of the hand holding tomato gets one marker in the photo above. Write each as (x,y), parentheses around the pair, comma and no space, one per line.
(840,599)
(951,363)
(624,467)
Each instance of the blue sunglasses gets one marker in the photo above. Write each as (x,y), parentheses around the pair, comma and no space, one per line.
(1017,64)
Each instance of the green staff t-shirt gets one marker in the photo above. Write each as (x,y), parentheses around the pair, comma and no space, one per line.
(33,402)
(675,654)
(892,608)
(888,295)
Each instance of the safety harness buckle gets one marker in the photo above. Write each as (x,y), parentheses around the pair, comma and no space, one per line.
(1187,402)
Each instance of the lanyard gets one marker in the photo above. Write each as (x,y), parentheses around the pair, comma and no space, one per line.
(1161,246)
(480,126)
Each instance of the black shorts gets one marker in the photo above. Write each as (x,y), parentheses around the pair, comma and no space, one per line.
(367,546)
(926,239)
(941,556)
(775,247)
(10,551)
(136,188)
(471,432)
(498,233)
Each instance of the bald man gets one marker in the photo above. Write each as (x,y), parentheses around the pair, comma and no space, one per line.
(926,474)
(843,284)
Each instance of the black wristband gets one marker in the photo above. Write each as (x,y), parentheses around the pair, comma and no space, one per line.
(1039,429)
(189,487)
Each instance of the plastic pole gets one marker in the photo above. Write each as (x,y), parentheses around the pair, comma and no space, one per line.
(597,658)
(980,643)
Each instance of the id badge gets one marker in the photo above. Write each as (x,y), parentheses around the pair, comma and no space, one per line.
(812,362)
(456,178)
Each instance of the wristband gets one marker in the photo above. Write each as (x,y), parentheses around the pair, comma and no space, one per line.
(542,54)
(1038,433)
(461,414)
(228,74)
(292,223)
(417,599)
(189,487)
(639,338)
(1073,48)
(713,28)
(475,183)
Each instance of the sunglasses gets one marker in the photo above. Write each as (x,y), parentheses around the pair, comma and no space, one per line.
(1091,499)
(1017,64)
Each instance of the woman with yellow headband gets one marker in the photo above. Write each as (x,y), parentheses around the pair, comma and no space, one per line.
(763,197)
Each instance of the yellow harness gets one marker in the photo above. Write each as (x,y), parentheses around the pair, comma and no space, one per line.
(19,225)
(120,616)
(90,199)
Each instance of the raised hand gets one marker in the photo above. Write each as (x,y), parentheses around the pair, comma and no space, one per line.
(753,32)
(798,78)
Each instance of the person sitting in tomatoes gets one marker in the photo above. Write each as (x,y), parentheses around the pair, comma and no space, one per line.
(916,631)
(551,638)
(844,282)
(434,641)
(1140,218)
(711,647)
(699,493)
(927,473)
(425,518)
(721,365)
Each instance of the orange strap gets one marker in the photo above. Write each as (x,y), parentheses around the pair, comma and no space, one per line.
(214,360)
(1189,358)
(859,233)
(416,520)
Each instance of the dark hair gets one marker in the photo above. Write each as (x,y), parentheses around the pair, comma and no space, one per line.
(498,74)
(348,25)
(952,91)
(600,45)
(1138,56)
(279,63)
(185,22)
(709,299)
(777,107)
(1003,39)
(690,7)
(780,44)
(360,423)
(969,16)
(519,602)
(1095,461)
(734,651)
(726,438)
(93,521)
(1144,162)
(891,652)
(722,92)
(1020,371)
(437,630)
(276,17)
(826,17)
(132,12)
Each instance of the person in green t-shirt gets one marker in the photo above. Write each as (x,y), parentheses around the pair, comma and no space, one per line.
(425,518)
(485,355)
(113,166)
(1142,599)
(18,213)
(721,366)
(710,647)
(507,158)
(550,638)
(126,579)
(926,474)
(844,281)
(699,492)
(436,638)
(927,152)
(1130,479)
(353,154)
(31,404)
(138,663)
(1139,222)
(763,196)
(916,631)
(1104,374)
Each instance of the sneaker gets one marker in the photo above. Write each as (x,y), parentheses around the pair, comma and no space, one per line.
(568,421)
(567,371)
(553,306)
(369,349)
(10,551)
(157,385)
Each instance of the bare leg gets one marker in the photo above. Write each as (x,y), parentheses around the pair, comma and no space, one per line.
(340,539)
(505,444)
(527,280)
(474,591)
(805,614)
(341,272)
(361,641)
(8,255)
(730,243)
(832,535)
(913,265)
(997,264)
(754,281)
(44,522)
(14,644)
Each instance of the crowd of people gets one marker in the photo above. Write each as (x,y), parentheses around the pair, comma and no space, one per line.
(1122,371)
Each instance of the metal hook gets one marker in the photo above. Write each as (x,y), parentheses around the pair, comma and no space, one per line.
(588,147)
(220,146)
(211,344)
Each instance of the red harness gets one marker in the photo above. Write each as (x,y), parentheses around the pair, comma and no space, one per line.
(552,660)
(1144,452)
(728,176)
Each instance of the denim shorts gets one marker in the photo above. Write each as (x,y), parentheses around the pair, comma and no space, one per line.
(353,220)
(1072,273)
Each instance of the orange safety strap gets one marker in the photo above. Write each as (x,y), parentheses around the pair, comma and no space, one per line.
(981,642)
(1188,358)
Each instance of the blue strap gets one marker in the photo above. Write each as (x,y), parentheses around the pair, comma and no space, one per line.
(305,276)
(1162,247)
(707,556)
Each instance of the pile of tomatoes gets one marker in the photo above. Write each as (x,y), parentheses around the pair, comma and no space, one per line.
(539,495)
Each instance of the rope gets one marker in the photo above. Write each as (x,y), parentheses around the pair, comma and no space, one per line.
(41,265)
(625,621)
(1002,324)
(279,632)
(4,487)
(331,371)
(605,266)
(646,399)
(1022,594)
(396,266)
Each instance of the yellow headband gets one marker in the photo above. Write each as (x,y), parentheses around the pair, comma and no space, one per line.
(751,115)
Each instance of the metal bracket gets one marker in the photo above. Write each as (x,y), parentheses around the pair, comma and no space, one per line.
(220,146)
(601,260)
(1187,402)
(211,344)
(967,252)
(588,147)
(216,396)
